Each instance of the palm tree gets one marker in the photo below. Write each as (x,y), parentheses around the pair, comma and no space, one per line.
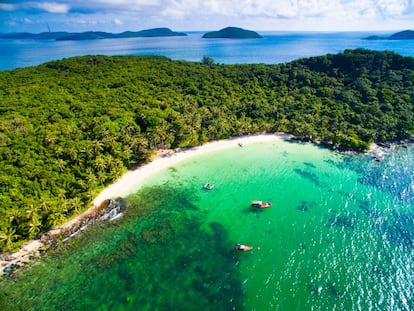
(90,176)
(139,144)
(34,227)
(51,138)
(61,164)
(76,204)
(58,151)
(92,193)
(100,163)
(88,150)
(44,206)
(98,146)
(73,153)
(127,151)
(102,177)
(15,217)
(109,141)
(32,212)
(8,236)
(55,219)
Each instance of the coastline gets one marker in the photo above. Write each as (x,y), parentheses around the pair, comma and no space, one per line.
(166,158)
(124,186)
(128,183)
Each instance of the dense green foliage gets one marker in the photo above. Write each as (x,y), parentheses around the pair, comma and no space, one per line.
(70,127)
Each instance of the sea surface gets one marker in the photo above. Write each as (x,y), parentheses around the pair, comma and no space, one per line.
(273,48)
(339,236)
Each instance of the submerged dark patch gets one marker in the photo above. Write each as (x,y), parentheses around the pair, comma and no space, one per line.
(303,207)
(309,164)
(308,175)
(338,220)
(398,229)
(164,261)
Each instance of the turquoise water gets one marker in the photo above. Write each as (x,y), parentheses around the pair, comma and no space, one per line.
(274,48)
(339,236)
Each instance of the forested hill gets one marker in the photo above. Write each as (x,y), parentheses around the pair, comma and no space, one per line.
(233,33)
(92,35)
(70,127)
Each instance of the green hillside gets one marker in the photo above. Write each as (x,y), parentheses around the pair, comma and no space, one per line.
(68,128)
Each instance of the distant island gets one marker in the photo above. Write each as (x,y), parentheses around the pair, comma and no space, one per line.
(93,35)
(402,35)
(233,33)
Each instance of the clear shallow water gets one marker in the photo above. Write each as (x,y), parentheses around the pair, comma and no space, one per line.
(339,237)
(275,47)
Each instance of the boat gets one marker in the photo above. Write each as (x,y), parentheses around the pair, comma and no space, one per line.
(244,248)
(261,204)
(208,186)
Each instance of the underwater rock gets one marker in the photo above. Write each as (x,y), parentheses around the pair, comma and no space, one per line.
(309,164)
(332,290)
(308,175)
(399,229)
(303,207)
(342,221)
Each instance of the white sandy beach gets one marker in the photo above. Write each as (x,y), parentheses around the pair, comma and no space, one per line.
(129,181)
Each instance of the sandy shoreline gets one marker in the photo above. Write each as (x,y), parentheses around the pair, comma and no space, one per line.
(128,183)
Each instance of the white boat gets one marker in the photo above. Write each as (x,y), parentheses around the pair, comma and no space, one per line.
(208,186)
(261,204)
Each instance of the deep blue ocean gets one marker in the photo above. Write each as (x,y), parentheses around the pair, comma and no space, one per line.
(273,48)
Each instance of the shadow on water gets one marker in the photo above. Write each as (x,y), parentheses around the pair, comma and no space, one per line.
(308,175)
(368,210)
(396,166)
(303,206)
(156,258)
(310,165)
(345,220)
(398,229)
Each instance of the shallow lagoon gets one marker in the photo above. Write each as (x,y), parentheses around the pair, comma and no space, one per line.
(339,236)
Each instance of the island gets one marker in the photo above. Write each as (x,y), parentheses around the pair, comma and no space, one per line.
(70,127)
(402,35)
(92,35)
(233,33)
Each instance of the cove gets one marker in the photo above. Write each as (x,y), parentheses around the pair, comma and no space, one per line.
(339,236)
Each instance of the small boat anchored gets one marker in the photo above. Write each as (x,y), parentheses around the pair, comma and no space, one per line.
(244,248)
(208,186)
(261,204)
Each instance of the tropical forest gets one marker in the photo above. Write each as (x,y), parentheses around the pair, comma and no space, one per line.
(69,128)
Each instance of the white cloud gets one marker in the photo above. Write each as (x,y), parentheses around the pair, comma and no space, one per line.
(174,13)
(86,22)
(118,5)
(7,7)
(394,7)
(126,2)
(50,7)
(210,14)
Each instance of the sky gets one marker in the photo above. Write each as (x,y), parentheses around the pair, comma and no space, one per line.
(203,15)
